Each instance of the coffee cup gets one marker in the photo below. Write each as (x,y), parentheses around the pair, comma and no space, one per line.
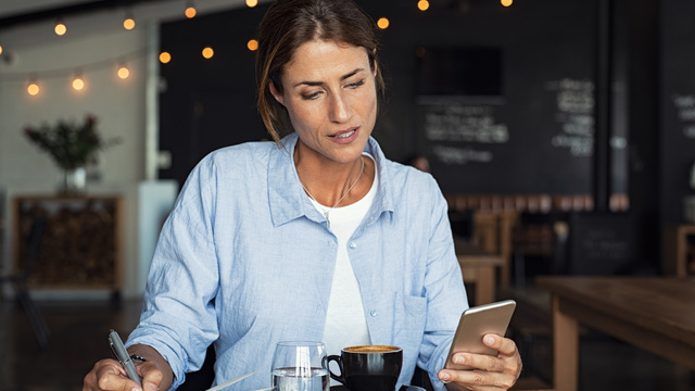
(368,367)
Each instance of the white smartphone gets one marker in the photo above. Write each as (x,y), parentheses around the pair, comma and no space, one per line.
(477,321)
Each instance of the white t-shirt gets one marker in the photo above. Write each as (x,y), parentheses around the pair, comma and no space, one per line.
(346,323)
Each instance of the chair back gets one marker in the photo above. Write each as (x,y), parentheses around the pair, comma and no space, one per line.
(32,245)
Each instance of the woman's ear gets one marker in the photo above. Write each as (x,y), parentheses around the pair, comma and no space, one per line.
(276,94)
(374,65)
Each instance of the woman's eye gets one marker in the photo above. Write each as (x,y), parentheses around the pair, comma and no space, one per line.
(356,84)
(311,95)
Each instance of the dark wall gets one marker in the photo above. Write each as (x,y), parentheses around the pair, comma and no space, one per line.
(540,119)
(519,141)
(207,104)
(677,106)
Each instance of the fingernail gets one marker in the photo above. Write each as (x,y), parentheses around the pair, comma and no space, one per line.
(459,359)
(136,389)
(489,339)
(444,376)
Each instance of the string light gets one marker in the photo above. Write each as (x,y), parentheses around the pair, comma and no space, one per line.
(190,10)
(60,28)
(1,49)
(251,3)
(123,72)
(78,83)
(383,23)
(423,5)
(33,88)
(208,52)
(164,57)
(129,22)
(506,3)
(252,45)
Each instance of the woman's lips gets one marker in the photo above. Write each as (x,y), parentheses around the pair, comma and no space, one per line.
(345,136)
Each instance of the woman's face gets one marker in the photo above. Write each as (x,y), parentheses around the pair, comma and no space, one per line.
(329,92)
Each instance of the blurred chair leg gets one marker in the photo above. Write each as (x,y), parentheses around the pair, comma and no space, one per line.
(34,315)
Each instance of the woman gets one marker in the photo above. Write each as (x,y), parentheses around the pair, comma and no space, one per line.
(314,237)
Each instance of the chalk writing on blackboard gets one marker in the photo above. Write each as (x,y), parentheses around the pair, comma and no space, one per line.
(685,109)
(464,123)
(456,155)
(574,101)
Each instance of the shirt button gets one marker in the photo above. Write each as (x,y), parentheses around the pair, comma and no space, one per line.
(353,245)
(373,313)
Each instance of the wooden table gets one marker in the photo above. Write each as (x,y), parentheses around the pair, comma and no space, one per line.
(656,314)
(478,267)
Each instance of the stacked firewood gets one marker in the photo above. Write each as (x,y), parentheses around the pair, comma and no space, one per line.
(78,246)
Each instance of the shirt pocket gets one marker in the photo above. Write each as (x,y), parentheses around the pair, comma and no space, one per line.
(410,315)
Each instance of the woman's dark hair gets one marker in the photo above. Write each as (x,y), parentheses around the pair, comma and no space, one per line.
(290,23)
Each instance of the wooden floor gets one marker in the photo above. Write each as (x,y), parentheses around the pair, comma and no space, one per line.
(79,329)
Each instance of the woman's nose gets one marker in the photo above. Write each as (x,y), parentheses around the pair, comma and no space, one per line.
(340,109)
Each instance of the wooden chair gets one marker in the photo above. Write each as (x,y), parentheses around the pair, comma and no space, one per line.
(492,232)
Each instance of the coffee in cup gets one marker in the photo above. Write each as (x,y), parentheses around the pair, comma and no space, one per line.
(368,367)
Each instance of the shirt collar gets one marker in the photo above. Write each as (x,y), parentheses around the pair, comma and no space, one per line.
(287,198)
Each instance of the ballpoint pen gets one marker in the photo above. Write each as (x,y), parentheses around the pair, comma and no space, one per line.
(123,357)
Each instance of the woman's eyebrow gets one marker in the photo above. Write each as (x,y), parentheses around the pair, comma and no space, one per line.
(320,83)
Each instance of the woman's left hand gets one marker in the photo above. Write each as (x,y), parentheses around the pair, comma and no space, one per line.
(488,372)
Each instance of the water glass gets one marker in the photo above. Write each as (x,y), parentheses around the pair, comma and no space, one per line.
(300,366)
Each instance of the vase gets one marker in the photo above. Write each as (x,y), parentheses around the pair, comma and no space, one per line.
(74,180)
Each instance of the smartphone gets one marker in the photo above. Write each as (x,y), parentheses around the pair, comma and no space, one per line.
(475,322)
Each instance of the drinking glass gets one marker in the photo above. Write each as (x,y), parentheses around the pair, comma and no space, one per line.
(300,366)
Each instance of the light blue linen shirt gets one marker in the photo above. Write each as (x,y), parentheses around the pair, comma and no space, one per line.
(245,260)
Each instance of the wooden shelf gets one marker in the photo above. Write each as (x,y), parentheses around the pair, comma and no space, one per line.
(81,247)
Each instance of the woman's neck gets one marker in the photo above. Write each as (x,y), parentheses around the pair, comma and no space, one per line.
(331,183)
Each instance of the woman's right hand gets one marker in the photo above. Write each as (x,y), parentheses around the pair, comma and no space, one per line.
(108,374)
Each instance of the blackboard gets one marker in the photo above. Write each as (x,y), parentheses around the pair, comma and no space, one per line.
(481,144)
(677,111)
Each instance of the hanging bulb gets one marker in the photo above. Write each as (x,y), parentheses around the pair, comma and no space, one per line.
(123,72)
(33,88)
(190,10)
(207,52)
(252,45)
(251,3)
(1,49)
(423,5)
(60,28)
(164,57)
(383,23)
(506,3)
(129,21)
(78,83)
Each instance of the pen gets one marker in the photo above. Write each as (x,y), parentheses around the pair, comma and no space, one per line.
(123,357)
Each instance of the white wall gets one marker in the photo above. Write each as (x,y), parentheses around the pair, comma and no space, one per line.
(120,106)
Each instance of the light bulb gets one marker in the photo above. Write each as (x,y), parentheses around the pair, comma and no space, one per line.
(506,3)
(251,3)
(33,88)
(423,5)
(78,83)
(60,28)
(252,45)
(164,57)
(383,23)
(208,52)
(190,11)
(129,23)
(123,72)
(1,50)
